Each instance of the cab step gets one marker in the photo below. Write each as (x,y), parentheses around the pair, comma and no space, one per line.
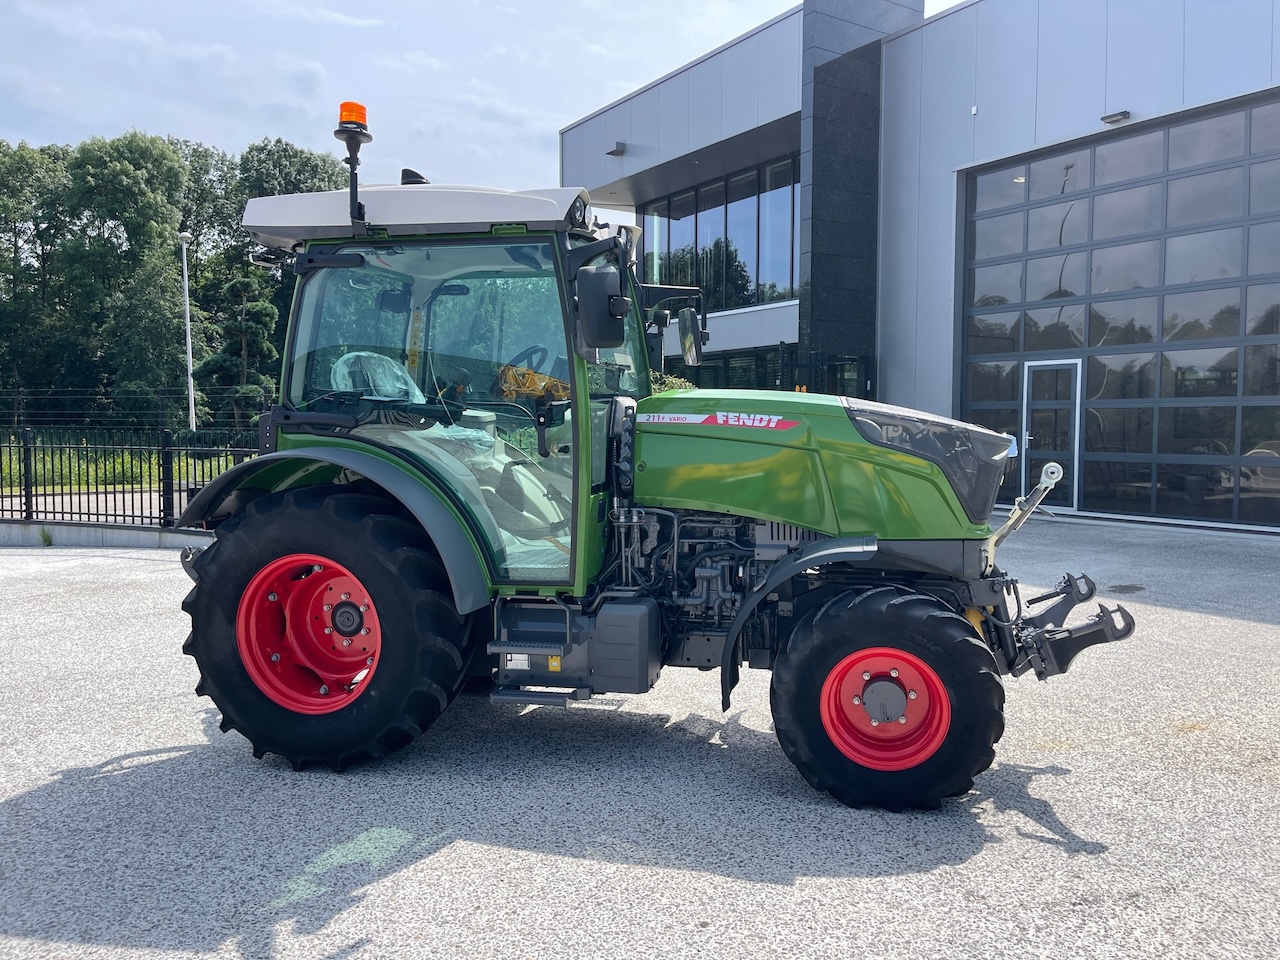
(540,698)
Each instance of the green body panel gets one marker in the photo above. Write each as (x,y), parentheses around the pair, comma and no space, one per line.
(285,477)
(792,458)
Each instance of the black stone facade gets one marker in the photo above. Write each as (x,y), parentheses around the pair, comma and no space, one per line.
(839,191)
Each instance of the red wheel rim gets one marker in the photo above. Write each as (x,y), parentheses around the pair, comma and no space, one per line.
(913,711)
(308,634)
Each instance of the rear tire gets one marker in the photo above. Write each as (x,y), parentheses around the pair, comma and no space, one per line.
(887,699)
(324,629)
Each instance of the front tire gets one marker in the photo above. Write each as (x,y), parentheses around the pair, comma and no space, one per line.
(887,699)
(323,627)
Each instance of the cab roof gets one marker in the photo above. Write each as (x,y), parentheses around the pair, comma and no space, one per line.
(287,222)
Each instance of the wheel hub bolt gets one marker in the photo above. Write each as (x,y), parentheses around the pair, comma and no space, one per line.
(912,694)
(902,719)
(875,723)
(272,597)
(328,607)
(364,630)
(346,596)
(893,672)
(866,674)
(316,568)
(346,642)
(856,701)
(364,607)
(275,658)
(328,630)
(369,662)
(324,691)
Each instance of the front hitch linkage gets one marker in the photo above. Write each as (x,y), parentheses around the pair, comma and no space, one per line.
(1048,647)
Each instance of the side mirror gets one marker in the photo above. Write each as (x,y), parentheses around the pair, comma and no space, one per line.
(690,337)
(602,309)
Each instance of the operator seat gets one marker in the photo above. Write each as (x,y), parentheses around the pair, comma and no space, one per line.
(374,375)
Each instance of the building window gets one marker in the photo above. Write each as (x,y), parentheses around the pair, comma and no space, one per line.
(736,238)
(1155,258)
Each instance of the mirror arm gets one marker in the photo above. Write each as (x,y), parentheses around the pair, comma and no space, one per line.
(578,257)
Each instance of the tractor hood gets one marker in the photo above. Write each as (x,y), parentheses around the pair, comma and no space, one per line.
(836,465)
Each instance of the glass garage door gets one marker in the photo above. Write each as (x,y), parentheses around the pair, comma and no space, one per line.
(1151,259)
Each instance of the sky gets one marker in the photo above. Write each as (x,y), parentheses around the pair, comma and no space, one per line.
(465,91)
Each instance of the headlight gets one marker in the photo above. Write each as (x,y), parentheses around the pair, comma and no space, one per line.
(972,457)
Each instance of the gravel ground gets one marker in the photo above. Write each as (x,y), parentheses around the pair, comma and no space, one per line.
(1131,812)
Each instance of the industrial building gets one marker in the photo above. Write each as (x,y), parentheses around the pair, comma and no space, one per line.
(1059,218)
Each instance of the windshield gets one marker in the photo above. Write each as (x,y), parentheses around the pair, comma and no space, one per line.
(449,351)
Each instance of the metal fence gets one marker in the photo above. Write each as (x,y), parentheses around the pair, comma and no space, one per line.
(106,475)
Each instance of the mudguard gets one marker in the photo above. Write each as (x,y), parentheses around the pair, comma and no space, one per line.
(819,554)
(466,575)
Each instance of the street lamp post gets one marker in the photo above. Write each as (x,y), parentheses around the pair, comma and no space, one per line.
(185,238)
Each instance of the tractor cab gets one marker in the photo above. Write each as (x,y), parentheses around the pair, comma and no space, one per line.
(457,353)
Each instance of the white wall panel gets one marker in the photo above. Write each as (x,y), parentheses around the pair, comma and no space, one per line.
(899,217)
(1144,58)
(1007,45)
(1072,68)
(706,103)
(1229,48)
(740,91)
(946,142)
(780,69)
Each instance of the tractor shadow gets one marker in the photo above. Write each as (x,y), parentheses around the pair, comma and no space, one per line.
(187,848)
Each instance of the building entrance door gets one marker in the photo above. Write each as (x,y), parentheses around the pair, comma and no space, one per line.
(1050,426)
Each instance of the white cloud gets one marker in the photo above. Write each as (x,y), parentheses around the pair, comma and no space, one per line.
(313,14)
(412,62)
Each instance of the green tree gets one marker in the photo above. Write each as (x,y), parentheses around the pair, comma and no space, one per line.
(237,387)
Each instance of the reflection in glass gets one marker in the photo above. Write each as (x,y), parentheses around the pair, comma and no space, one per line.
(1000,188)
(1120,160)
(1205,313)
(1264,187)
(1260,429)
(1203,256)
(994,333)
(1059,175)
(680,231)
(1117,322)
(740,251)
(1052,384)
(1052,429)
(1209,196)
(1118,429)
(1206,141)
(1265,137)
(1059,225)
(1052,277)
(991,381)
(711,244)
(1055,328)
(1263,310)
(1126,212)
(1195,490)
(1117,487)
(993,286)
(1126,376)
(1199,430)
(997,236)
(775,233)
(1262,371)
(1134,266)
(654,241)
(1199,373)
(1264,248)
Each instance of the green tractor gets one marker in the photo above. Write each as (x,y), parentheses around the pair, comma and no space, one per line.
(469,483)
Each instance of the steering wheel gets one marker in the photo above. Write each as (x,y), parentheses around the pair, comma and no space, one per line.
(523,358)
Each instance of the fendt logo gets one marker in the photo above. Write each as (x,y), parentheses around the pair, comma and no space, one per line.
(763,420)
